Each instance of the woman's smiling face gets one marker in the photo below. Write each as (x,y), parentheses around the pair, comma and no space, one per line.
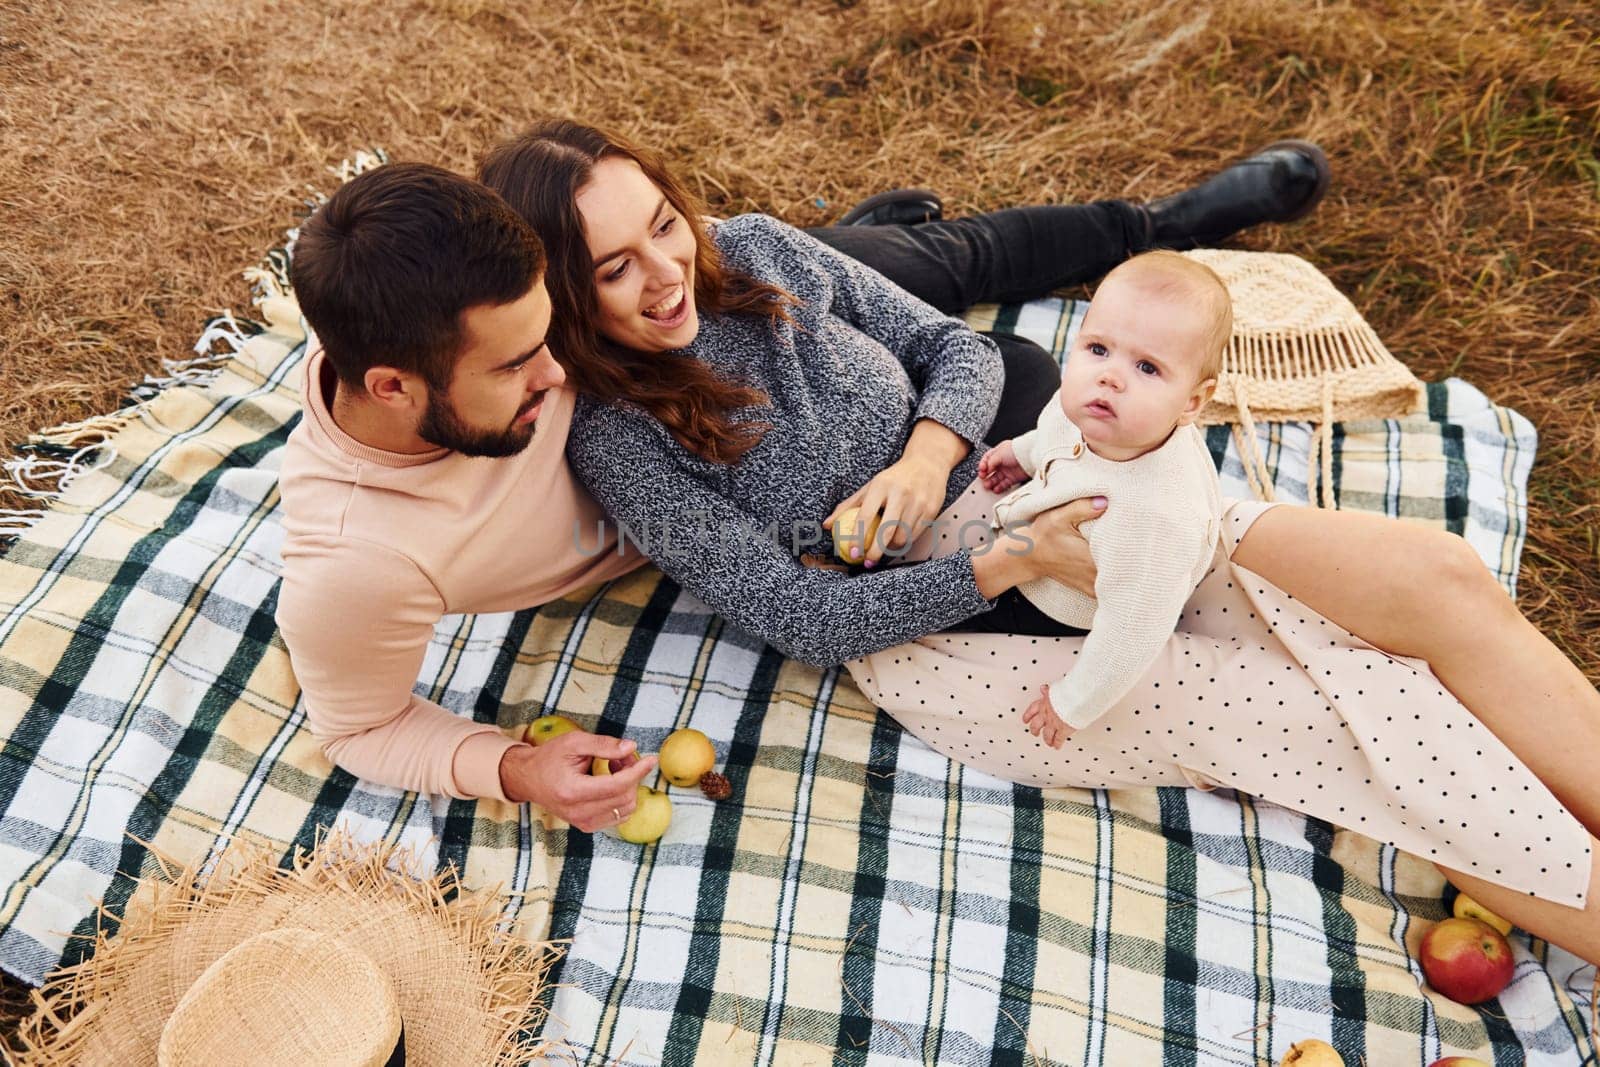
(643,251)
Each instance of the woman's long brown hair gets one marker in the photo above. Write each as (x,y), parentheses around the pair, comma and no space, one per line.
(540,174)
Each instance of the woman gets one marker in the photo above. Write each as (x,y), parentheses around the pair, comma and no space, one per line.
(744,379)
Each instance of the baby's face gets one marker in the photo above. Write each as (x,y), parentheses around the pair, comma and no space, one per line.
(1134,370)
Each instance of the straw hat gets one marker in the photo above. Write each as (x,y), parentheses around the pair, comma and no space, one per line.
(337,961)
(1300,351)
(287,996)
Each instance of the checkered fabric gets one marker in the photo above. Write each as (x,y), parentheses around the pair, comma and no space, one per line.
(859,899)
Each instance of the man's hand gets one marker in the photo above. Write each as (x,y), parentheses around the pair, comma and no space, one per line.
(999,469)
(555,776)
(1044,723)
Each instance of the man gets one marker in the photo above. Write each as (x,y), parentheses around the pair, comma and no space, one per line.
(427,477)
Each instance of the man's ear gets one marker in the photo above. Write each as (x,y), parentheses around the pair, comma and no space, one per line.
(394,388)
(1197,401)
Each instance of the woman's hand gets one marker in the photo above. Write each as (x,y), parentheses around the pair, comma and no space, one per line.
(1048,547)
(999,468)
(1044,723)
(909,493)
(819,562)
(1060,550)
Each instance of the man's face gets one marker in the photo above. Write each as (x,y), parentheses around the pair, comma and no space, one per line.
(500,380)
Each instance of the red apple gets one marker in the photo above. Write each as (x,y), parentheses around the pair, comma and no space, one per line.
(1466,960)
(1458,1061)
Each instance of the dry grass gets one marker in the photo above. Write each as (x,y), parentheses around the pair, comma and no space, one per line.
(149,151)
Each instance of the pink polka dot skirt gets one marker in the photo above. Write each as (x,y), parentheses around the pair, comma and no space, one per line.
(1255,692)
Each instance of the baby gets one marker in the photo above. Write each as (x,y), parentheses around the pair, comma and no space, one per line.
(1144,363)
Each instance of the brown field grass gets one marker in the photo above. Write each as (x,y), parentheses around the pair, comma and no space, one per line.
(150,151)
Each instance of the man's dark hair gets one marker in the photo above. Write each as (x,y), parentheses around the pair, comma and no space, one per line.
(384,270)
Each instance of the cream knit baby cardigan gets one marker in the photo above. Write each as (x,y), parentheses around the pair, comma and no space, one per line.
(1152,546)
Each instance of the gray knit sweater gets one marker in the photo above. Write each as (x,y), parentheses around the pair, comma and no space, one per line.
(862,362)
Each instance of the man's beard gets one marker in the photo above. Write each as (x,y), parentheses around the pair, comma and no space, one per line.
(442,426)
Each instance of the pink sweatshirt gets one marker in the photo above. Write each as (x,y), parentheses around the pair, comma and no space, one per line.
(380,545)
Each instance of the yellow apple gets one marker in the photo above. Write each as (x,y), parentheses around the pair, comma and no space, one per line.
(850,541)
(685,755)
(1458,1061)
(548,728)
(1312,1053)
(600,765)
(1467,908)
(649,819)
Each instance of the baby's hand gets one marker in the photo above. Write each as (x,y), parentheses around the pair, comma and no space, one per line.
(999,469)
(1042,720)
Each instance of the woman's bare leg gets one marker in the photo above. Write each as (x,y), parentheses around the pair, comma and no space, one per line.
(1577,931)
(1420,592)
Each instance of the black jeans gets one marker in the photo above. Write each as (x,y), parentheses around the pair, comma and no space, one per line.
(1003,257)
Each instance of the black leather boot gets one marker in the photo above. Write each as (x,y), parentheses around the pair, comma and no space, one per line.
(1282,182)
(906,207)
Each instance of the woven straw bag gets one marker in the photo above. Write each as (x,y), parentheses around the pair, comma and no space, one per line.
(1300,352)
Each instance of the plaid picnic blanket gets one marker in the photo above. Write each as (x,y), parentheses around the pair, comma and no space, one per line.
(859,899)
